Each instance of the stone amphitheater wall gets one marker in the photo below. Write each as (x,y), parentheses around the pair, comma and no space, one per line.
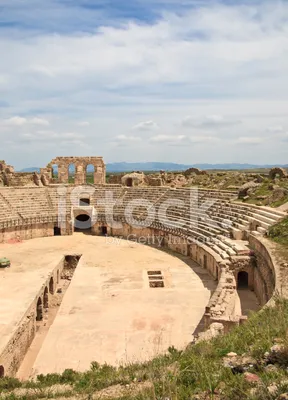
(14,351)
(266,272)
(26,232)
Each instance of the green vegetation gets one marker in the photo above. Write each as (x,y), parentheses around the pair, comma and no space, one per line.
(266,194)
(181,375)
(279,232)
(89,178)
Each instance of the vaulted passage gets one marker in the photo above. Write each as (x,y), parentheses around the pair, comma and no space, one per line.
(39,310)
(242,280)
(83,223)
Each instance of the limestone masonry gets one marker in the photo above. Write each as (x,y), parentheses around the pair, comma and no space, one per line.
(221,239)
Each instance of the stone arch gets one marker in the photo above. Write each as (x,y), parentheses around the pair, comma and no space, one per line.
(39,310)
(90,173)
(2,371)
(83,223)
(277,171)
(242,280)
(46,298)
(71,173)
(51,285)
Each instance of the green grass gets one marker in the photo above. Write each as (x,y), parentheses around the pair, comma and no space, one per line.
(265,190)
(279,232)
(180,375)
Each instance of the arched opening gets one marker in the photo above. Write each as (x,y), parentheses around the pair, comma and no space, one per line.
(129,182)
(51,285)
(57,231)
(39,310)
(46,298)
(54,171)
(90,169)
(2,371)
(104,230)
(83,223)
(58,276)
(242,280)
(71,173)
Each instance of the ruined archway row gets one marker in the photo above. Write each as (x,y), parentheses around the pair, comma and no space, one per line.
(80,165)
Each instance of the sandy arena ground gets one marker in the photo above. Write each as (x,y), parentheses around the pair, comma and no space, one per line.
(109,313)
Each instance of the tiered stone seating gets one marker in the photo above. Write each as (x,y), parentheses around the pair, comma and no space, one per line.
(7,213)
(207,216)
(28,202)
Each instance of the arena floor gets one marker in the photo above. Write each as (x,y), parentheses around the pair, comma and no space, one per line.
(109,312)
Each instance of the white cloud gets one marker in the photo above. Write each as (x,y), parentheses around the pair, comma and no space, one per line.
(276,129)
(38,121)
(20,121)
(220,65)
(249,140)
(84,123)
(16,121)
(146,126)
(126,139)
(209,121)
(169,139)
(204,139)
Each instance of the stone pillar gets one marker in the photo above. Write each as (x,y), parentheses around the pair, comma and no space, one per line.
(79,174)
(63,173)
(98,175)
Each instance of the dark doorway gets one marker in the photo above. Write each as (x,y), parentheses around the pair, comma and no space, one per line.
(2,371)
(104,230)
(129,182)
(83,223)
(84,202)
(51,285)
(57,231)
(242,280)
(39,310)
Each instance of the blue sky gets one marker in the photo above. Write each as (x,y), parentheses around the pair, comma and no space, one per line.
(181,81)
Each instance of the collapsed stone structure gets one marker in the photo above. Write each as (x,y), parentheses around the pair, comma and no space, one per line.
(47,175)
(81,164)
(278,172)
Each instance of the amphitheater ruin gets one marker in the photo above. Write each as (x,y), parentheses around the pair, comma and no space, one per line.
(113,273)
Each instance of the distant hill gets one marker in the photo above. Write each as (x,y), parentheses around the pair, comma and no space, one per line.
(31,169)
(157,166)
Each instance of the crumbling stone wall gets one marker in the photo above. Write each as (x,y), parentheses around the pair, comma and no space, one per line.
(133,179)
(277,171)
(80,164)
(196,171)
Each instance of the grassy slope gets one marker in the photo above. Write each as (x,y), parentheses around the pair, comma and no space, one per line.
(279,232)
(180,375)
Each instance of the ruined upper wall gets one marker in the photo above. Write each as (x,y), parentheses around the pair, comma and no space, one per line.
(80,164)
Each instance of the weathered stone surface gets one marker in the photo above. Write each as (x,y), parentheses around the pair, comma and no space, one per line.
(277,172)
(133,179)
(247,188)
(80,164)
(239,364)
(252,378)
